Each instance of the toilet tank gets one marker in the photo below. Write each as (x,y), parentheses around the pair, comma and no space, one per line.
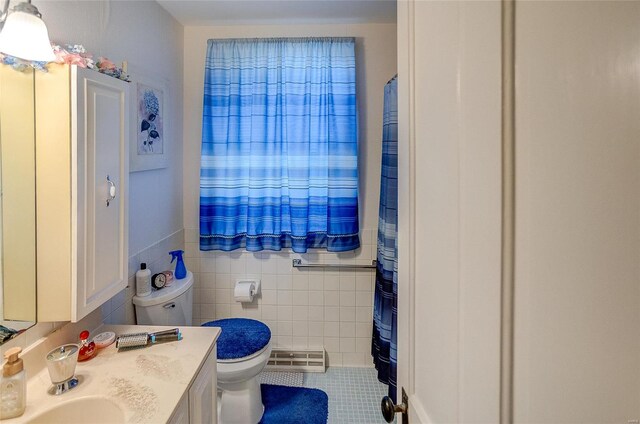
(171,305)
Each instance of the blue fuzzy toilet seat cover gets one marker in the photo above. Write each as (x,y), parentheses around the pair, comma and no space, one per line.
(240,337)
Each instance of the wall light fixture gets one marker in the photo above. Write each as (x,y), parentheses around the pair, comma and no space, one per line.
(23,33)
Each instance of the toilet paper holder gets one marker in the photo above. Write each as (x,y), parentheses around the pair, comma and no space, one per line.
(246,289)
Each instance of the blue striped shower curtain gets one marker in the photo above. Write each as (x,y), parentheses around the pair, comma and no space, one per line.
(385,306)
(279,145)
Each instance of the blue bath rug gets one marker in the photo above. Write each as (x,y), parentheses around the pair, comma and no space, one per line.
(294,405)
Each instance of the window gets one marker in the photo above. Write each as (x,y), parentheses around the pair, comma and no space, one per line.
(279,145)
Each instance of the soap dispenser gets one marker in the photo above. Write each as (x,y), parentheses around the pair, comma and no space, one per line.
(13,386)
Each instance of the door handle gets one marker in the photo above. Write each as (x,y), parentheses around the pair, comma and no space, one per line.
(389,409)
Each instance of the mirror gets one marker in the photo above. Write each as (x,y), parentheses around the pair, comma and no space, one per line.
(17,202)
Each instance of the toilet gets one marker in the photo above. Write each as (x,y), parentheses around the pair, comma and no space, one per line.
(171,305)
(243,350)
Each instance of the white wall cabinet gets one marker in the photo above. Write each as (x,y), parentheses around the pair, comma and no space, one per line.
(82,129)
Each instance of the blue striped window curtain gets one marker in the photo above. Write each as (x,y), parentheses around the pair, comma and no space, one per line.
(279,145)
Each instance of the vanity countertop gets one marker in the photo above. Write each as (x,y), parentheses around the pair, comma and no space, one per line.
(147,383)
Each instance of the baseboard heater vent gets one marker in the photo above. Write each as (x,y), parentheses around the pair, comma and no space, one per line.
(302,360)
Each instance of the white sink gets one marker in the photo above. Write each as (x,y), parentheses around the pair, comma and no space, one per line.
(94,410)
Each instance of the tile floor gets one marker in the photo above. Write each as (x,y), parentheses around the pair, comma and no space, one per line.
(354,394)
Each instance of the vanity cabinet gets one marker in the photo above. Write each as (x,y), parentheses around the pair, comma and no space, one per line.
(82,169)
(199,405)
(203,393)
(181,414)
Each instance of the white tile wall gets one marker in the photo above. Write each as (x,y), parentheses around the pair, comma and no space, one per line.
(302,307)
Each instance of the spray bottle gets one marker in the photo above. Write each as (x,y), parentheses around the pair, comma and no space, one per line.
(181,270)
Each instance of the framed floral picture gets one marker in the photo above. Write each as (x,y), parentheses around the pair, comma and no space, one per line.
(150,123)
(149,145)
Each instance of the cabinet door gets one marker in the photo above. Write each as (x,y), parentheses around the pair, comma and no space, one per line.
(202,394)
(181,414)
(99,139)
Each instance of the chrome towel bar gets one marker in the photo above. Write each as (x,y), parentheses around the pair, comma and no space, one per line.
(297,263)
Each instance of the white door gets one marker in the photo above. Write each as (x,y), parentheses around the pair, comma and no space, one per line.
(450,210)
(577,280)
(577,213)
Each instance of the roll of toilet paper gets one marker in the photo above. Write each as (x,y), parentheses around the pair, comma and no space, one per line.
(244,291)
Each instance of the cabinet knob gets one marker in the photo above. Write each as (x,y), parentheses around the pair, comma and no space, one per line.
(112,191)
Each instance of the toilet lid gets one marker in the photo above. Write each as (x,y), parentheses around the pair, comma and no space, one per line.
(240,337)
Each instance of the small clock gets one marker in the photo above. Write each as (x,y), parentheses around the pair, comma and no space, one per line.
(159,280)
